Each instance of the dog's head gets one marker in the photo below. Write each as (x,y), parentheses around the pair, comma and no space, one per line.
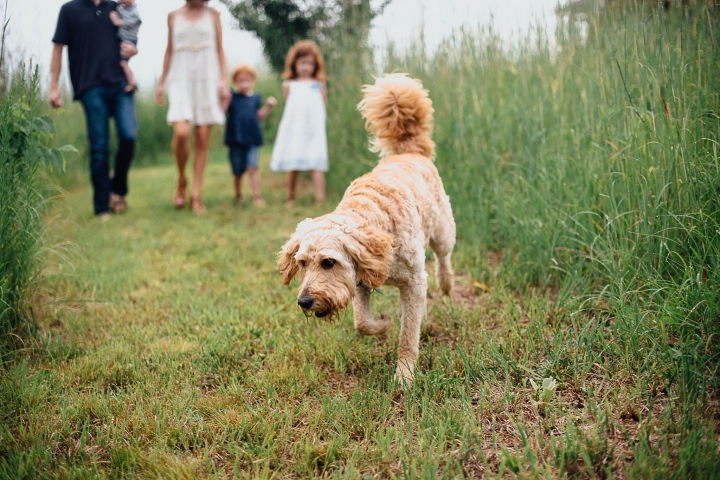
(333,255)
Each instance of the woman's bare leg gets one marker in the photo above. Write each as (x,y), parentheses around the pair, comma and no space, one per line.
(202,144)
(181,150)
(318,178)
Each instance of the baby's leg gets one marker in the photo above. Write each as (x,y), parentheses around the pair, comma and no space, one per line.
(131,86)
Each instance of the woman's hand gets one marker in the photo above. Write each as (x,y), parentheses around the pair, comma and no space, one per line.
(160,94)
(225,95)
(224,91)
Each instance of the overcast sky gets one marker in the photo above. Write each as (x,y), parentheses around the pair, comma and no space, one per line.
(32,24)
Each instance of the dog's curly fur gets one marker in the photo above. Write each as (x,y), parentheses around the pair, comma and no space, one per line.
(378,233)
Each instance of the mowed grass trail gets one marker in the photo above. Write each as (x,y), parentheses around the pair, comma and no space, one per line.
(172,350)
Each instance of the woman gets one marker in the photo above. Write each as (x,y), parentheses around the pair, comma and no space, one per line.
(195,72)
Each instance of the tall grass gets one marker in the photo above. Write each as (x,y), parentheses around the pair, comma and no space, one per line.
(592,164)
(153,137)
(22,134)
(154,134)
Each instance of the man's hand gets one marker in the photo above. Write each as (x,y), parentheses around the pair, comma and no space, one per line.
(56,100)
(128,49)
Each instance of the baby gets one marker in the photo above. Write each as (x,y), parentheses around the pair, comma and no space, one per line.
(127,19)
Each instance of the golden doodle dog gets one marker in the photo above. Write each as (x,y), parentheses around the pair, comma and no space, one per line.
(378,233)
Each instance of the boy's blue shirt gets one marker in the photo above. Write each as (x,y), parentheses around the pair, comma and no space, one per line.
(243,125)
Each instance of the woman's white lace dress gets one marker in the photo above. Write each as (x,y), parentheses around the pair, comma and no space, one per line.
(301,141)
(193,83)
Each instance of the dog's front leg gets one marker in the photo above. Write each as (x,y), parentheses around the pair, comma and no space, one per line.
(365,323)
(412,298)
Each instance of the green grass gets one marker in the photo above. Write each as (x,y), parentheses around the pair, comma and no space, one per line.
(175,351)
(581,340)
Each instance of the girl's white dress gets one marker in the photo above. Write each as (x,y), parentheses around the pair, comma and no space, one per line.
(301,141)
(193,83)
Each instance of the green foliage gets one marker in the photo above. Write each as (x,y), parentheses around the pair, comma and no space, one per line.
(278,23)
(281,23)
(582,340)
(180,354)
(23,134)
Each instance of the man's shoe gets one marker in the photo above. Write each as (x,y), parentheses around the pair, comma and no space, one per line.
(118,203)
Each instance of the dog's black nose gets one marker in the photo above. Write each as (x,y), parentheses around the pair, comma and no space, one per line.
(306,301)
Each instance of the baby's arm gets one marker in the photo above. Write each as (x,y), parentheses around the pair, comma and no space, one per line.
(116,20)
(265,111)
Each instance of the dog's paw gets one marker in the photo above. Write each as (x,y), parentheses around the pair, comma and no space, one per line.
(404,373)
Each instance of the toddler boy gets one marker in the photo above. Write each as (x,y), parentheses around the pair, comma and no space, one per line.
(243,134)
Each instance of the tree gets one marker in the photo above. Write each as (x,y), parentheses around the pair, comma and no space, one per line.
(281,23)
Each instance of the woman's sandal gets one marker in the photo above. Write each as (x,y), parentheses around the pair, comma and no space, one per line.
(179,199)
(197,205)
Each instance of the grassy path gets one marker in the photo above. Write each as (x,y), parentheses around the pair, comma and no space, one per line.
(177,353)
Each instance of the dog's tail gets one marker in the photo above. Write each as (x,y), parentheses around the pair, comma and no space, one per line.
(399,115)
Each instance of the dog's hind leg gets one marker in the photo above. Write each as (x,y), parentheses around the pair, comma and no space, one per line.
(365,323)
(442,244)
(412,297)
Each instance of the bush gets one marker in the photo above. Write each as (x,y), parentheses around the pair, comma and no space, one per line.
(22,134)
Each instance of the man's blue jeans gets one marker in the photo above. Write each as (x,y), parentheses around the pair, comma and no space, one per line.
(101,103)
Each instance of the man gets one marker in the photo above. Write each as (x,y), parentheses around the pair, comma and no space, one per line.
(94,53)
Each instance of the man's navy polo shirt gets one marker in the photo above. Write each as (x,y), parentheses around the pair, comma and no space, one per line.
(93,44)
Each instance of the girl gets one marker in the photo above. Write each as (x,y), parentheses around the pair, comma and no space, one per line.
(195,71)
(301,142)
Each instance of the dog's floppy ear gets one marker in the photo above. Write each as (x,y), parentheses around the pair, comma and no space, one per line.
(371,251)
(286,262)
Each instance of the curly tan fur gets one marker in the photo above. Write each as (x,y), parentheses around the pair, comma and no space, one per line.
(399,115)
(378,233)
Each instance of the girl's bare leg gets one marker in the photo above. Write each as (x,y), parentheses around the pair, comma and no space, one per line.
(181,150)
(292,183)
(318,178)
(255,185)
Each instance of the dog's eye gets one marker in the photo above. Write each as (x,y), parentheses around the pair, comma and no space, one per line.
(303,263)
(327,263)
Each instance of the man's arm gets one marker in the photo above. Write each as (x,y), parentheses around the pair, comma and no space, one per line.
(56,100)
